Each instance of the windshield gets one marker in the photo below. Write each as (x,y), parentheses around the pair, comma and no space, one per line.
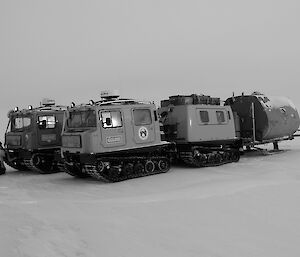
(20,123)
(81,119)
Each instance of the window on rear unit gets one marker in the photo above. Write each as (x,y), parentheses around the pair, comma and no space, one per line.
(142,117)
(204,116)
(220,116)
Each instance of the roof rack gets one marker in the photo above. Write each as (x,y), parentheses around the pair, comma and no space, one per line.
(122,101)
(190,100)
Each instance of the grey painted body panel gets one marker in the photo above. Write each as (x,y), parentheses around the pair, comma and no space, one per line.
(190,128)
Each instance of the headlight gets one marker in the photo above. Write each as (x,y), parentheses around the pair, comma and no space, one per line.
(13,140)
(73,141)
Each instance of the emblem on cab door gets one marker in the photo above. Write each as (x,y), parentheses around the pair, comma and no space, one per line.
(143,133)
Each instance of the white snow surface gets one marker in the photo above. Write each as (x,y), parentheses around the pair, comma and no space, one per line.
(250,208)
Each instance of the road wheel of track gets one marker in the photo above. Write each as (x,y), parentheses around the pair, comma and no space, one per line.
(149,166)
(235,156)
(164,165)
(200,160)
(128,169)
(36,160)
(218,158)
(100,166)
(114,174)
(210,158)
(226,156)
(138,168)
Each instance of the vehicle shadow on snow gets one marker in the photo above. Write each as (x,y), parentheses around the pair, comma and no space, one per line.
(59,177)
(263,152)
(16,173)
(66,178)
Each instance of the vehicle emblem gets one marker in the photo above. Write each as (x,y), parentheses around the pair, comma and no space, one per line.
(143,133)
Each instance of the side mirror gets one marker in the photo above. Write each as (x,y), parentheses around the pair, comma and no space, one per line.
(108,121)
(42,124)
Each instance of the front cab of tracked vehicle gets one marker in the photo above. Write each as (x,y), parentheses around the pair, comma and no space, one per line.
(203,129)
(103,135)
(33,136)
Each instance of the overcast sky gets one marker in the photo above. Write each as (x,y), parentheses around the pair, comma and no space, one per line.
(71,50)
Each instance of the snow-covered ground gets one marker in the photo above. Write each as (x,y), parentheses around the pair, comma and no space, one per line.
(250,208)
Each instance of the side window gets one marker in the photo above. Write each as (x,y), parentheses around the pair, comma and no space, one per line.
(204,116)
(111,119)
(46,122)
(142,117)
(220,116)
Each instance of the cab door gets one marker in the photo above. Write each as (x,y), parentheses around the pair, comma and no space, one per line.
(48,130)
(112,128)
(143,125)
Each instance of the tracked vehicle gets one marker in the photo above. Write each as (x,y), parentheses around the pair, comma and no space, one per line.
(203,130)
(114,139)
(33,137)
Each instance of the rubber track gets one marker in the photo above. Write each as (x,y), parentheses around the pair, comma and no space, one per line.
(104,176)
(188,158)
(20,167)
(74,171)
(29,164)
